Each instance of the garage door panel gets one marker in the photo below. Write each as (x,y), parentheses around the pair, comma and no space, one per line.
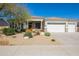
(71,28)
(56,28)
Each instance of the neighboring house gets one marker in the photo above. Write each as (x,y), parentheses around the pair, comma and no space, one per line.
(61,25)
(3,24)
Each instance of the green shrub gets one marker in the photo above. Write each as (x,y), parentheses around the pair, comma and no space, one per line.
(29,34)
(47,34)
(8,31)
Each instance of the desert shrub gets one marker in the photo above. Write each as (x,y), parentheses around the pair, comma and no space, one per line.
(29,30)
(37,32)
(29,34)
(42,30)
(8,31)
(47,34)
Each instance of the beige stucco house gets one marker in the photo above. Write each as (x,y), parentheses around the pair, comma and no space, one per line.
(53,24)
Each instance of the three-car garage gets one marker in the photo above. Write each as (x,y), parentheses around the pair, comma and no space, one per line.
(60,27)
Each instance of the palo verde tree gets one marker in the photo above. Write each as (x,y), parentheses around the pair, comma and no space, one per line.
(16,14)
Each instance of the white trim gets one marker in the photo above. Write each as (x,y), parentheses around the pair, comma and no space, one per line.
(36,19)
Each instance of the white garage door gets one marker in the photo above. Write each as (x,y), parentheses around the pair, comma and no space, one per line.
(71,28)
(56,27)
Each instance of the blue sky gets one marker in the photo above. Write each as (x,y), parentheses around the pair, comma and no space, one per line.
(64,10)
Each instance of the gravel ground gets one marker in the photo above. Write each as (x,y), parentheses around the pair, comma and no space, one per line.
(68,45)
(36,40)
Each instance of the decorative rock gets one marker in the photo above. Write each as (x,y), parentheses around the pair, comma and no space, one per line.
(42,33)
(26,37)
(53,40)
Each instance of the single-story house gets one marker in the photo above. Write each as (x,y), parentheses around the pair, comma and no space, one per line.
(61,25)
(52,24)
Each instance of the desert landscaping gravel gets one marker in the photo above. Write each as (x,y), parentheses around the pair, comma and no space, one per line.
(67,45)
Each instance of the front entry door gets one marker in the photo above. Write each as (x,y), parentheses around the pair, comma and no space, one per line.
(30,25)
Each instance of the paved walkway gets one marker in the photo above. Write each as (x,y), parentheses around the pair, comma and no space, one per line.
(69,47)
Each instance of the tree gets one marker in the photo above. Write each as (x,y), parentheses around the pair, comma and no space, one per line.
(16,14)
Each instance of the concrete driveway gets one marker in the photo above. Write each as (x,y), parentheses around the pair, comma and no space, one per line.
(68,39)
(69,47)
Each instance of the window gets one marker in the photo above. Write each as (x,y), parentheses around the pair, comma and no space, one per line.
(55,23)
(38,25)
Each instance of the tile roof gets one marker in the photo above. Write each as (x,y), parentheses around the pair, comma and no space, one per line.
(55,18)
(61,19)
(36,17)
